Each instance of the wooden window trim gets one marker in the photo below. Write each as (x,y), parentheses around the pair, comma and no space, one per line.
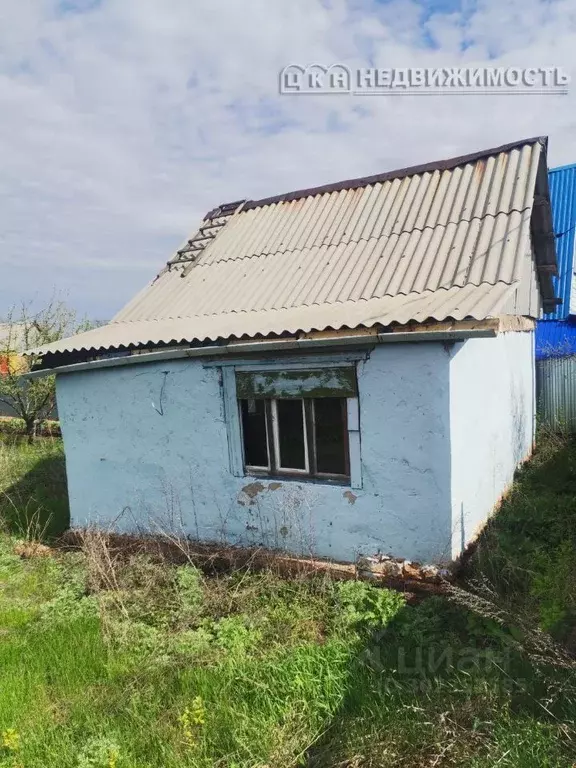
(232,416)
(332,475)
(254,468)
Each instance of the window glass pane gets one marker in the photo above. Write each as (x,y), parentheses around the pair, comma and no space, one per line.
(330,435)
(254,431)
(291,434)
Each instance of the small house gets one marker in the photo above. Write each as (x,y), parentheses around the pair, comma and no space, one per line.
(341,370)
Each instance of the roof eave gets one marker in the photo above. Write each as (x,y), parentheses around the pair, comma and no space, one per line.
(239,349)
(543,238)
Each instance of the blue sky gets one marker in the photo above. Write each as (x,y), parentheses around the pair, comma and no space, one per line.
(124,121)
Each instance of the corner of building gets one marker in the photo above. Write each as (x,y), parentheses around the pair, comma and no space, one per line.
(492,418)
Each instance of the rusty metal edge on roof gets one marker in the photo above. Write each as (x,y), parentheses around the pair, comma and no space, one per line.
(436,165)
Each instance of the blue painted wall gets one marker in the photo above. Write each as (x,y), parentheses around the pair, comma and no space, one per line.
(492,409)
(146,448)
(129,466)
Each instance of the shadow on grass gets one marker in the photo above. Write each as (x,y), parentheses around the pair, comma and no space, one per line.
(426,690)
(441,686)
(527,552)
(541,506)
(36,504)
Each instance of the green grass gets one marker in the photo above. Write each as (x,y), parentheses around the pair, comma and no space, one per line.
(33,497)
(173,667)
(528,551)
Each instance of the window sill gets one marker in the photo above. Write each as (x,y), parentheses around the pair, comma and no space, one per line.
(343,482)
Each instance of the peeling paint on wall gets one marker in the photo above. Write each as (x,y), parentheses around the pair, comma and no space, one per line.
(323,382)
(248,493)
(252,490)
(178,466)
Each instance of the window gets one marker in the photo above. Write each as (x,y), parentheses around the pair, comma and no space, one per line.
(289,420)
(296,436)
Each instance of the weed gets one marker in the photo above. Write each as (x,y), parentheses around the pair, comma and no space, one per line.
(527,553)
(11,740)
(190,595)
(554,587)
(363,606)
(100,752)
(33,497)
(192,720)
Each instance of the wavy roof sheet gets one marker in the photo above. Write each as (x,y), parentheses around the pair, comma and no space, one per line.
(445,240)
(563,199)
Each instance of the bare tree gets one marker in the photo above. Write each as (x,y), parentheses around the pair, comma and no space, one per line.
(23,329)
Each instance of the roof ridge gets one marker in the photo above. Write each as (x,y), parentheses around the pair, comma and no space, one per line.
(413,170)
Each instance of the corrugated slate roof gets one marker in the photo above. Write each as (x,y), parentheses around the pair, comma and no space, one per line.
(471,301)
(444,240)
(563,199)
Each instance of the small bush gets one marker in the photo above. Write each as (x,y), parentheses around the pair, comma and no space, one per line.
(366,607)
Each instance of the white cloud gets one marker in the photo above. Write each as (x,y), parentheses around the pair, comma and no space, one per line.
(124,121)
